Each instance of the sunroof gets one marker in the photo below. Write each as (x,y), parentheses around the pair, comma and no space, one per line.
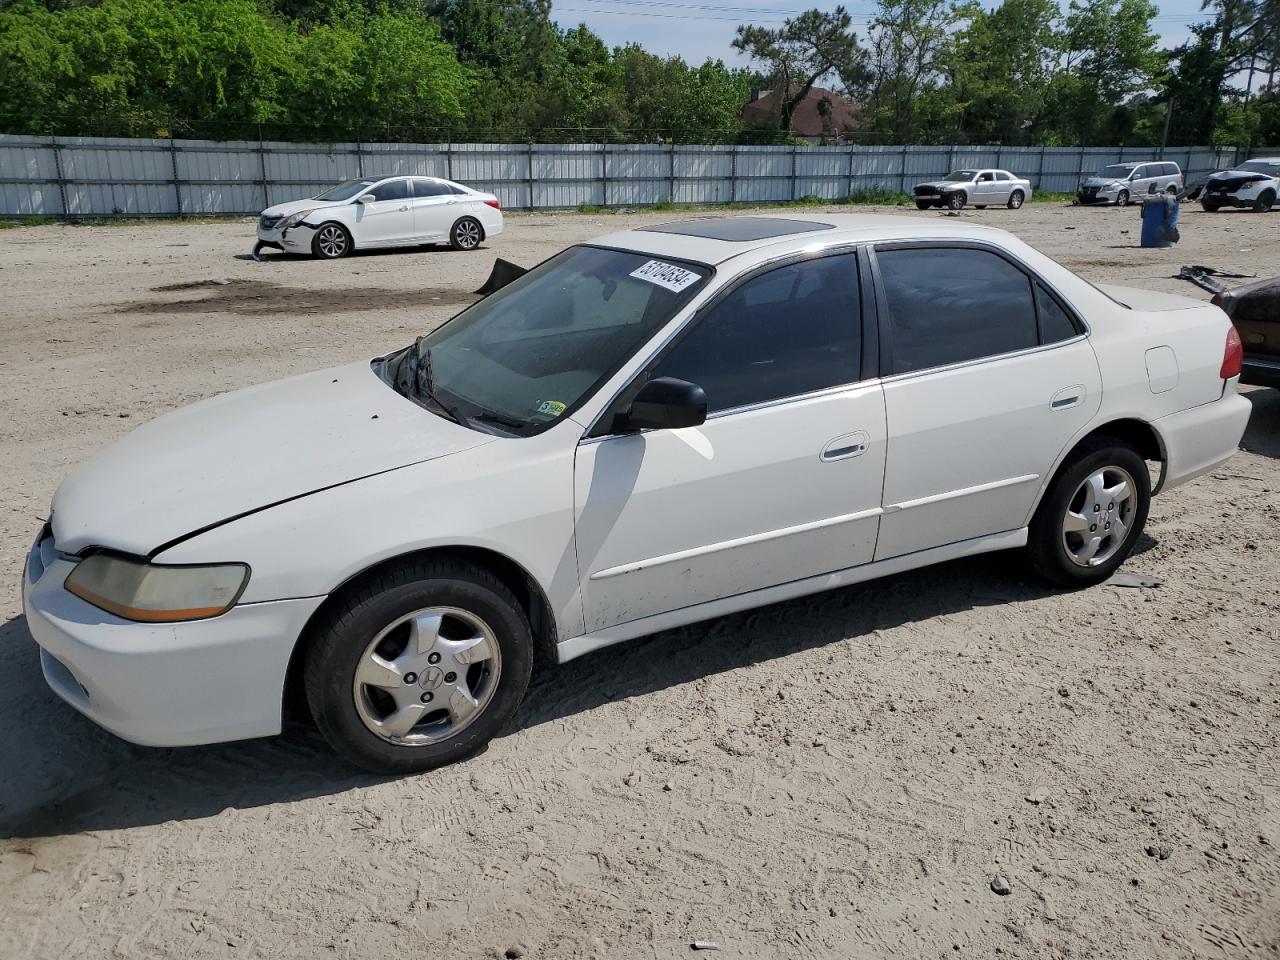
(739,229)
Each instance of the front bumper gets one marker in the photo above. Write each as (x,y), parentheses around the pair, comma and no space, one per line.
(295,239)
(1201,438)
(1259,371)
(1242,196)
(1087,195)
(163,685)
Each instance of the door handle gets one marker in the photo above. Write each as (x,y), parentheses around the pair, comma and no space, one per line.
(403,209)
(845,446)
(1068,397)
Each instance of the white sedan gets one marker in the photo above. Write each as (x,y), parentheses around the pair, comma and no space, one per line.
(381,212)
(669,424)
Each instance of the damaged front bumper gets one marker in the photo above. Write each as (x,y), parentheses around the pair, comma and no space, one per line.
(295,239)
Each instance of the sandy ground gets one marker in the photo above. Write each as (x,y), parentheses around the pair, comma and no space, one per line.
(835,777)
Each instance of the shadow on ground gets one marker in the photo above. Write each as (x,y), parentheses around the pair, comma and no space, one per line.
(64,775)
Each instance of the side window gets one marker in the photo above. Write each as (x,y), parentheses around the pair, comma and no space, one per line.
(1171,169)
(786,332)
(1001,175)
(987,177)
(430,188)
(392,190)
(458,190)
(1055,323)
(947,305)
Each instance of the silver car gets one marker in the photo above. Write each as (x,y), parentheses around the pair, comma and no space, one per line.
(1119,183)
(980,187)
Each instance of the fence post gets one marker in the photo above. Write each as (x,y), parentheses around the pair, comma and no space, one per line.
(448,155)
(532,205)
(733,175)
(951,158)
(262,167)
(604,171)
(849,192)
(902,170)
(1040,170)
(173,163)
(793,171)
(671,158)
(359,159)
(1079,166)
(57,169)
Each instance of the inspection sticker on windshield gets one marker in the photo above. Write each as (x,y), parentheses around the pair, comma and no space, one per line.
(665,275)
(551,408)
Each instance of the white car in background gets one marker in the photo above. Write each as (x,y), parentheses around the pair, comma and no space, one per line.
(668,424)
(1254,184)
(381,212)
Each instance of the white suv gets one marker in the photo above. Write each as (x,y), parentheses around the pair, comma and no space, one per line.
(1253,184)
(381,212)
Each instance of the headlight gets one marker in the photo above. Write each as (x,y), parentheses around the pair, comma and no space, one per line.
(297,218)
(137,590)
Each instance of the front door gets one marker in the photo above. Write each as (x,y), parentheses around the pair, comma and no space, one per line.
(987,377)
(387,217)
(781,483)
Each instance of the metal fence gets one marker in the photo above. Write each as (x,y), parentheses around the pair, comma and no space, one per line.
(105,177)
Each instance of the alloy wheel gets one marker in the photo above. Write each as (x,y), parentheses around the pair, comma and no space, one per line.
(426,676)
(1099,516)
(332,241)
(468,234)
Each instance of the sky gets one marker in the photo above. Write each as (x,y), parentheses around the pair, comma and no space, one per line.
(702,29)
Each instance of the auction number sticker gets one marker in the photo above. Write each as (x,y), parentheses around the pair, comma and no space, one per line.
(665,275)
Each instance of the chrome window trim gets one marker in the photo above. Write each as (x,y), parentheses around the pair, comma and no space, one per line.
(962,364)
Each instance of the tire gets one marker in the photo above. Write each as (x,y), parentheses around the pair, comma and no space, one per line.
(1122,198)
(1264,201)
(466,234)
(1075,552)
(331,242)
(1171,190)
(956,200)
(378,713)
(923,204)
(1209,206)
(1015,199)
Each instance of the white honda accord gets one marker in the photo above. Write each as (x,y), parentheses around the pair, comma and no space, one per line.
(381,212)
(665,425)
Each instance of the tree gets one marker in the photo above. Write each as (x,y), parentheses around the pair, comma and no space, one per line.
(802,51)
(908,38)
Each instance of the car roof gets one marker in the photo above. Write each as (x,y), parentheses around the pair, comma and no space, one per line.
(703,239)
(1263,160)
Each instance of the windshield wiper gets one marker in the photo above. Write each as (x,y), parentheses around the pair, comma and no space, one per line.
(486,416)
(422,382)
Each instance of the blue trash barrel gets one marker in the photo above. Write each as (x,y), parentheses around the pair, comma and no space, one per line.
(1160,221)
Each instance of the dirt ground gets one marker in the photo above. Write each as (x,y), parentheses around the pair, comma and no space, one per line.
(840,776)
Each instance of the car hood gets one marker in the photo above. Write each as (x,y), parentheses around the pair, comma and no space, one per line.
(297,206)
(242,451)
(943,184)
(1099,181)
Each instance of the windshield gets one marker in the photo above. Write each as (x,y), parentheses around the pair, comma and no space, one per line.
(1261,166)
(961,176)
(1117,171)
(345,191)
(531,352)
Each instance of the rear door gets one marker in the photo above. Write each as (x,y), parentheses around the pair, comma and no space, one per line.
(434,208)
(388,218)
(1004,186)
(782,481)
(987,376)
(1143,177)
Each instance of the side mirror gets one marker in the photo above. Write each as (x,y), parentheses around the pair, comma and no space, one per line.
(366,198)
(664,403)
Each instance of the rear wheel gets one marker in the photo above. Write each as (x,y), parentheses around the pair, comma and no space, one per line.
(1265,201)
(419,668)
(956,200)
(466,234)
(1015,199)
(1091,515)
(331,242)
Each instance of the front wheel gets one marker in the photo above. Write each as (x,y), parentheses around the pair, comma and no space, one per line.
(956,200)
(1209,206)
(1122,198)
(466,234)
(331,242)
(1264,202)
(1015,199)
(420,667)
(1091,515)
(923,204)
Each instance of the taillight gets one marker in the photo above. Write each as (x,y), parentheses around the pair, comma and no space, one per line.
(1232,355)
(493,203)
